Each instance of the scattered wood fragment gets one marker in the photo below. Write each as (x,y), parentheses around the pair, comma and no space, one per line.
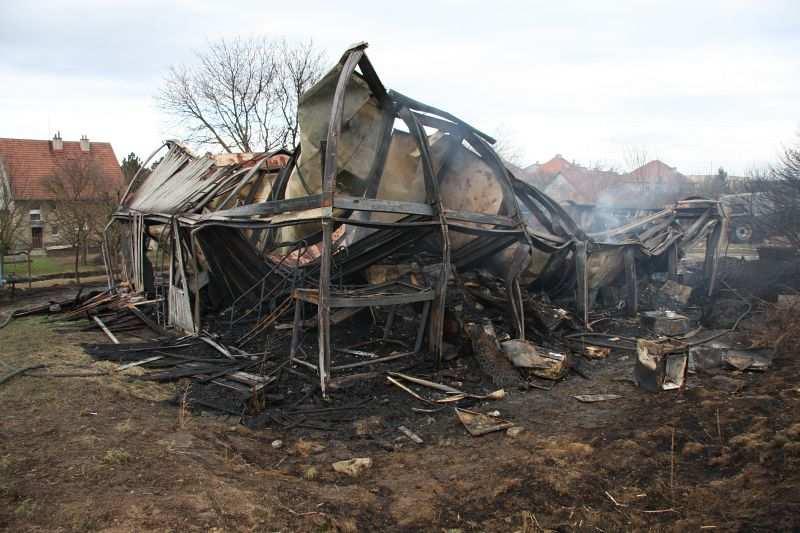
(410,434)
(105,329)
(455,394)
(593,398)
(217,346)
(426,383)
(615,501)
(139,362)
(478,424)
(146,319)
(409,391)
(359,353)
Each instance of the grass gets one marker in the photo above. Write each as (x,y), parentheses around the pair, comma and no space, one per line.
(33,340)
(116,456)
(42,265)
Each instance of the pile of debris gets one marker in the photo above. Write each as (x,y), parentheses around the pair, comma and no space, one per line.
(397,235)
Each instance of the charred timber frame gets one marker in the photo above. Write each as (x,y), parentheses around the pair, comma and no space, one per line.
(190,213)
(416,115)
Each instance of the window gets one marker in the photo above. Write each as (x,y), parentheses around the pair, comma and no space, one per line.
(36,215)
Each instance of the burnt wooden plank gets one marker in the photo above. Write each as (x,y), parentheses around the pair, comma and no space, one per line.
(383,206)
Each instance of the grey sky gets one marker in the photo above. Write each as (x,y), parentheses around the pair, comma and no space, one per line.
(698,84)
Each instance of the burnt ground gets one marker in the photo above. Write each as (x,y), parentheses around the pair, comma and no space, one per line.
(114,453)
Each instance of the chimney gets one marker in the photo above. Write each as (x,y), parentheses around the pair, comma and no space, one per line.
(58,144)
(84,143)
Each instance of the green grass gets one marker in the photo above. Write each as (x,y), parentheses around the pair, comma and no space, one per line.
(41,265)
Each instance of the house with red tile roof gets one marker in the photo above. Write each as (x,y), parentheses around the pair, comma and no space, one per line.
(654,184)
(569,182)
(26,167)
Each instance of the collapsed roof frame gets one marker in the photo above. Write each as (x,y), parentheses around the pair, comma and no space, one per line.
(187,196)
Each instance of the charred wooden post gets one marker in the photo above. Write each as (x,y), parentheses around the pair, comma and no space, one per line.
(329,170)
(711,263)
(672,262)
(195,280)
(582,281)
(631,282)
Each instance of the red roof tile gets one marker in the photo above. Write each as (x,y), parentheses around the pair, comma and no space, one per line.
(554,166)
(658,171)
(30,163)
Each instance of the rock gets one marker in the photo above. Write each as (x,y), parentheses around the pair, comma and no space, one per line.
(55,308)
(514,431)
(353,467)
(276,444)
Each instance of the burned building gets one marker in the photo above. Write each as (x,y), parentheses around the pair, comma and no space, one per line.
(387,203)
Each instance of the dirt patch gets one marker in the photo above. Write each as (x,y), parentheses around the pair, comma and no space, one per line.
(109,453)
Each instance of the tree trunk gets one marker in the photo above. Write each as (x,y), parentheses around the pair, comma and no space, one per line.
(77,259)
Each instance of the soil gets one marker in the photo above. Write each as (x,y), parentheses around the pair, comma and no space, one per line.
(114,453)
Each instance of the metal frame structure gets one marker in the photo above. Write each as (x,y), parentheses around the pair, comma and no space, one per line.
(226,236)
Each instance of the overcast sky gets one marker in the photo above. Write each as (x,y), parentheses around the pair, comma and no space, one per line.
(698,84)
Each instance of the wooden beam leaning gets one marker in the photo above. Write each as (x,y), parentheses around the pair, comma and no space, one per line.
(273,207)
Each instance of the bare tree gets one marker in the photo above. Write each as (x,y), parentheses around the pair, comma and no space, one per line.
(507,147)
(300,66)
(242,93)
(11,216)
(777,198)
(635,157)
(81,199)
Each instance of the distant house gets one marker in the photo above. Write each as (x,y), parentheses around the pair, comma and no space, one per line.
(570,182)
(27,165)
(654,184)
